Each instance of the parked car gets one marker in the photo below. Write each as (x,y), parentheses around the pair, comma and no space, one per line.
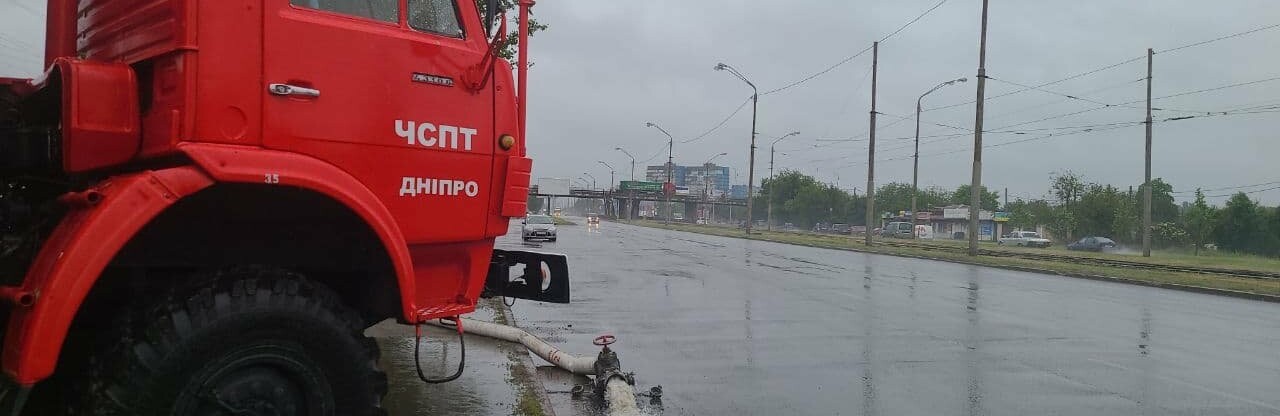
(702,221)
(538,227)
(1093,244)
(898,229)
(841,228)
(1024,239)
(821,228)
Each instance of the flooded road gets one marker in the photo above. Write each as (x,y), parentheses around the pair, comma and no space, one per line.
(730,326)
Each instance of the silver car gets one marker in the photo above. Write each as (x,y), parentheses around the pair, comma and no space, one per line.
(538,227)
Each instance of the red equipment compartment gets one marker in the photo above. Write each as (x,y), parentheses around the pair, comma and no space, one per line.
(99,114)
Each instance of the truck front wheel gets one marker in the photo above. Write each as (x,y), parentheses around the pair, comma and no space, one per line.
(248,341)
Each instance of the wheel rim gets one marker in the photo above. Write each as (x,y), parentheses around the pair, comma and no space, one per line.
(258,381)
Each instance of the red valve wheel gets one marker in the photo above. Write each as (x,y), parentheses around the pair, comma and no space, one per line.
(604,340)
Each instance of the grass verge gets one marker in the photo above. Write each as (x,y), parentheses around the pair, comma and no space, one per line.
(1243,287)
(562,221)
(532,396)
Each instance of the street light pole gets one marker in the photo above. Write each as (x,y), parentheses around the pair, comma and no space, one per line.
(915,169)
(609,194)
(768,222)
(975,186)
(706,184)
(631,200)
(671,144)
(633,161)
(751,163)
(593,182)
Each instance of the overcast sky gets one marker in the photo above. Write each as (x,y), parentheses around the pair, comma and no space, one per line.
(604,68)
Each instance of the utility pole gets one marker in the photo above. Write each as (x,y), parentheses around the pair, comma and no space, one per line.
(975,186)
(1146,193)
(871,147)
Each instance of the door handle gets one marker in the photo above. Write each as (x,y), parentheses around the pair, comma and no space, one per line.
(294,90)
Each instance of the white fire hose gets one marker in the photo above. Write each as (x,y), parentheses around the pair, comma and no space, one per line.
(619,394)
(574,364)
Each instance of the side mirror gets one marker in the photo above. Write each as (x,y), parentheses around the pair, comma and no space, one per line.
(524,221)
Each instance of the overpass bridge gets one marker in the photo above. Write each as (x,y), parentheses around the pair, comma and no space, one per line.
(628,202)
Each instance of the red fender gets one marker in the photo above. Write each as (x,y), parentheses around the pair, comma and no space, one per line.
(244,164)
(99,222)
(103,219)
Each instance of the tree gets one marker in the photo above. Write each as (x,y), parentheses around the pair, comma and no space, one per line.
(989,200)
(1200,221)
(1102,210)
(1067,187)
(1163,209)
(1029,214)
(1272,234)
(894,197)
(1240,227)
(509,47)
(1062,223)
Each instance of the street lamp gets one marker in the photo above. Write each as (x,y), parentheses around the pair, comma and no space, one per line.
(915,169)
(609,193)
(768,222)
(633,161)
(706,185)
(611,172)
(593,180)
(671,144)
(751,164)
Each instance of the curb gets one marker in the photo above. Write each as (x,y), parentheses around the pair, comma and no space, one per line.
(1173,286)
(527,366)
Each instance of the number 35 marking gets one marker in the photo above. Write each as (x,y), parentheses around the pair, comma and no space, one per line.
(271,178)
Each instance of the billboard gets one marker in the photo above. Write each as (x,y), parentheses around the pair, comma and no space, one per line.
(963,213)
(553,186)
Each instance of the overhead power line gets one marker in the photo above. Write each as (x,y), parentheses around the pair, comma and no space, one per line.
(720,124)
(1115,65)
(1246,193)
(1227,188)
(851,58)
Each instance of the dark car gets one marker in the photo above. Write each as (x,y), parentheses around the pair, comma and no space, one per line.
(1093,244)
(841,228)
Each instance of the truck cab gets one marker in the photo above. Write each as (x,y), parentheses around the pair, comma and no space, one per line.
(190,163)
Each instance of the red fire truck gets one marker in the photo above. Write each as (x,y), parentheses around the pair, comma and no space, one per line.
(204,203)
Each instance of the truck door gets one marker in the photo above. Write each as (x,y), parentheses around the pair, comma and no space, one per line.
(374,87)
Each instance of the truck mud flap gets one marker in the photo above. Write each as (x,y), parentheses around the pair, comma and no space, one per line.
(543,277)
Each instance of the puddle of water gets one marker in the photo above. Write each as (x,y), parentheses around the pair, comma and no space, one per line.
(485,388)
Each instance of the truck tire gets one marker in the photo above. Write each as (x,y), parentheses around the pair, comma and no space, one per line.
(252,341)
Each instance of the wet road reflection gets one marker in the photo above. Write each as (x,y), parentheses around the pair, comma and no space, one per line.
(729,326)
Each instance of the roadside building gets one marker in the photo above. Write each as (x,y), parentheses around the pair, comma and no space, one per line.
(952,222)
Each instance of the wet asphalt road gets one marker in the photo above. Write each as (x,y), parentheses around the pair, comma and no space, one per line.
(730,326)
